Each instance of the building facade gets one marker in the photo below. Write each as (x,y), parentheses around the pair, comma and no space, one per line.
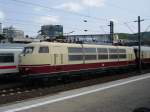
(10,32)
(52,31)
(94,38)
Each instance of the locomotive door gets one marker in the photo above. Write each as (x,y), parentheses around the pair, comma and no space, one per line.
(57,56)
(56,59)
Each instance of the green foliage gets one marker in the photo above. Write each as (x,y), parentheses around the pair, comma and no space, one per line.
(145,37)
(123,36)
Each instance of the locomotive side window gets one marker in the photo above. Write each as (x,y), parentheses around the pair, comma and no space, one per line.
(113,50)
(102,50)
(44,49)
(28,50)
(90,50)
(75,50)
(113,53)
(90,54)
(122,56)
(6,58)
(102,53)
(117,53)
(122,53)
(113,56)
(90,57)
(103,56)
(75,57)
(77,54)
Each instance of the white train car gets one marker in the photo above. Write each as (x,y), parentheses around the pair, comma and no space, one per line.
(9,59)
(46,59)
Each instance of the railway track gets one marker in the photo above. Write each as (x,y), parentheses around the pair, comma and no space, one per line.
(7,82)
(23,92)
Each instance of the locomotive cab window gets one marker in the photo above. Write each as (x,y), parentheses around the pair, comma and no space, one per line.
(28,50)
(44,49)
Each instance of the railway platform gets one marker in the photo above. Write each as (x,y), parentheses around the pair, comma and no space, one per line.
(123,95)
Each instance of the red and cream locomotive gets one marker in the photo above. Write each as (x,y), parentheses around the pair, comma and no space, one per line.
(49,59)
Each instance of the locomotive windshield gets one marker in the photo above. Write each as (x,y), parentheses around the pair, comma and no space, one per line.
(28,50)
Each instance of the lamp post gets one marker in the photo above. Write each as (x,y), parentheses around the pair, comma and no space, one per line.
(111,25)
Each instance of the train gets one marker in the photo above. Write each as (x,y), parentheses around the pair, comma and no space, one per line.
(50,59)
(9,60)
(145,56)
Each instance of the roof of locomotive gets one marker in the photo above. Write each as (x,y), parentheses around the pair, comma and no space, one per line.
(71,44)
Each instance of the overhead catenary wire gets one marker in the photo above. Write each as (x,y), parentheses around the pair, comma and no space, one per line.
(102,28)
(64,11)
(49,15)
(146,30)
(127,25)
(27,23)
(59,10)
(51,9)
(121,8)
(34,23)
(40,14)
(38,24)
(148,27)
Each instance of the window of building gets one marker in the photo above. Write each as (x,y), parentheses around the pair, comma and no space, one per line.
(90,57)
(103,57)
(6,58)
(90,50)
(102,50)
(44,49)
(28,50)
(75,50)
(75,57)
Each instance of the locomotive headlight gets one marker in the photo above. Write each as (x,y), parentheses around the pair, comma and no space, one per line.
(26,69)
(20,55)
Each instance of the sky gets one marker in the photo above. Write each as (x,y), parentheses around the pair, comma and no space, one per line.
(30,15)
